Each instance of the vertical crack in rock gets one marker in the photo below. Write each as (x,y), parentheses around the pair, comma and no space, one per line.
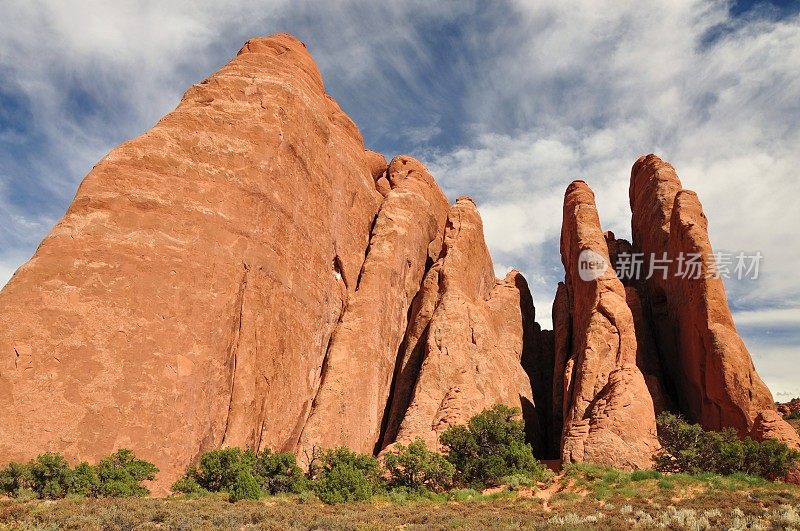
(412,353)
(366,251)
(323,370)
(234,347)
(364,347)
(464,343)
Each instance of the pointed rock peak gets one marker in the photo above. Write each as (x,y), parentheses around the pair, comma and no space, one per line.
(402,166)
(652,178)
(578,184)
(273,44)
(465,199)
(652,161)
(512,275)
(578,192)
(261,54)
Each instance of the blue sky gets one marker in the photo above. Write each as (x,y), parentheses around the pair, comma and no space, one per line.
(505,101)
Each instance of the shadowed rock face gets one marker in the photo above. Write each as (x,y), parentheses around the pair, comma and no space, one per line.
(247,274)
(711,371)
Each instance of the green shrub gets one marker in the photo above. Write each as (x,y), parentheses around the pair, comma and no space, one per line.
(188,485)
(218,470)
(366,464)
(84,480)
(343,483)
(690,448)
(418,469)
(245,487)
(461,495)
(13,477)
(490,447)
(518,482)
(793,415)
(279,473)
(346,476)
(50,476)
(120,475)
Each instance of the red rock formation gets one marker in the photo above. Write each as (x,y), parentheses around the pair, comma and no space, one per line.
(709,364)
(247,274)
(464,344)
(242,275)
(187,298)
(349,406)
(609,416)
(788,407)
(377,164)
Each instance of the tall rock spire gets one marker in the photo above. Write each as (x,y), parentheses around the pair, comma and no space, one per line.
(465,342)
(608,415)
(708,364)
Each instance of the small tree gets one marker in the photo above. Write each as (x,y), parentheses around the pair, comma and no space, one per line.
(686,447)
(346,476)
(84,480)
(491,447)
(50,476)
(218,470)
(417,468)
(279,472)
(121,474)
(188,485)
(13,477)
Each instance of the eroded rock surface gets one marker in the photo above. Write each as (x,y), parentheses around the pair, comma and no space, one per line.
(243,275)
(187,298)
(464,345)
(349,406)
(247,274)
(609,416)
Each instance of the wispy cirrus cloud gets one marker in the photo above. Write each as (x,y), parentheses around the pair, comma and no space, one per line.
(507,102)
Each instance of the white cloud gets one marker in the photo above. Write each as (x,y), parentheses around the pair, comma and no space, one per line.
(769,317)
(544,92)
(588,87)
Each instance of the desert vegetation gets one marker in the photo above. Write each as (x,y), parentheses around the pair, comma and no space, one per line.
(689,448)
(49,476)
(487,476)
(489,451)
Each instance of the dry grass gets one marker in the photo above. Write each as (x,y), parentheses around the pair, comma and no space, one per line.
(584,497)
